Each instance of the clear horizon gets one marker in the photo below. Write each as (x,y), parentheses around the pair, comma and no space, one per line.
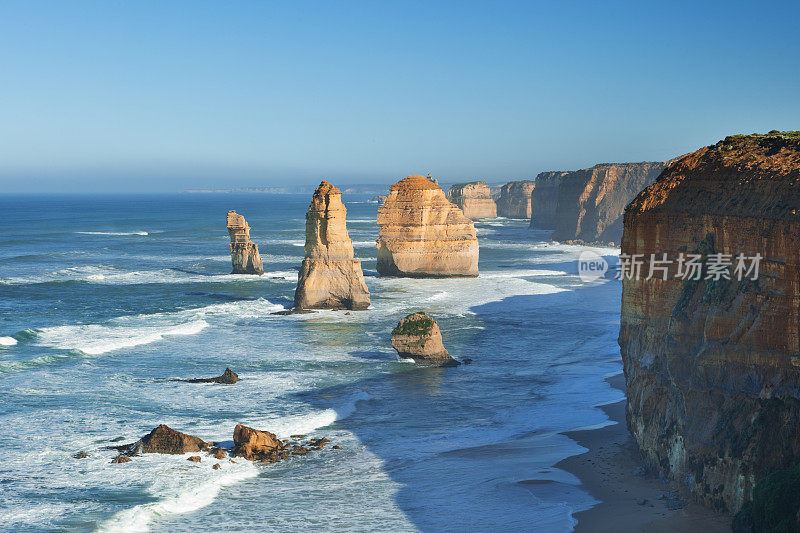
(112,97)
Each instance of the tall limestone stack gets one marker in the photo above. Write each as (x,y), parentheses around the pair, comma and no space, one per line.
(244,252)
(591,201)
(422,234)
(712,366)
(330,277)
(474,199)
(544,200)
(515,199)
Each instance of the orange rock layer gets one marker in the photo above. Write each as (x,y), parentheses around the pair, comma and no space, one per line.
(474,199)
(515,199)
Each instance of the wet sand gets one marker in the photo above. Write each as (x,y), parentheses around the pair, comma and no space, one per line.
(608,471)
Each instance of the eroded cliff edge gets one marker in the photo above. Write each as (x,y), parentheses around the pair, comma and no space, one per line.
(422,234)
(330,277)
(712,367)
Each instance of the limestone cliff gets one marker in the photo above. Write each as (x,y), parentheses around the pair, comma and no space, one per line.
(422,234)
(244,252)
(474,199)
(418,337)
(515,199)
(591,201)
(330,277)
(545,200)
(712,366)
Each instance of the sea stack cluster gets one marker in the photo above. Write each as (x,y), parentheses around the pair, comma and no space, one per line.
(330,276)
(244,252)
(417,337)
(712,365)
(474,199)
(515,199)
(422,234)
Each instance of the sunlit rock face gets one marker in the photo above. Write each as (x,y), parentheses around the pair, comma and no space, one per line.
(330,277)
(244,252)
(422,234)
(712,366)
(474,199)
(515,199)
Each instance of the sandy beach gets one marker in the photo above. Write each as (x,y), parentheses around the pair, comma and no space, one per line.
(611,472)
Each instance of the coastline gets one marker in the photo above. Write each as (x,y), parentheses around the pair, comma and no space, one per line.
(608,471)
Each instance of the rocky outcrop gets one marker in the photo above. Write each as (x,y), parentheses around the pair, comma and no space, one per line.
(544,201)
(244,252)
(422,234)
(229,377)
(712,366)
(164,439)
(515,199)
(330,277)
(417,337)
(254,444)
(474,199)
(591,201)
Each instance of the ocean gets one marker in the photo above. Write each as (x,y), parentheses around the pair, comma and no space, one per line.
(105,300)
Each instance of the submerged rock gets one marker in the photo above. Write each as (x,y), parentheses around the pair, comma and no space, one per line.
(164,439)
(474,199)
(711,364)
(422,234)
(515,199)
(229,377)
(417,337)
(81,455)
(121,459)
(244,252)
(330,277)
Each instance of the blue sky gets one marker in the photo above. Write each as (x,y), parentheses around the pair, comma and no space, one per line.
(164,96)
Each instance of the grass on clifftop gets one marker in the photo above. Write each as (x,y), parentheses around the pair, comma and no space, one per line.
(774,134)
(418,325)
(776,499)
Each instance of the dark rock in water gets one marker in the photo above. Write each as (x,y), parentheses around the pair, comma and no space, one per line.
(164,439)
(466,361)
(81,455)
(229,377)
(194,459)
(293,311)
(641,501)
(337,447)
(216,466)
(121,459)
(219,453)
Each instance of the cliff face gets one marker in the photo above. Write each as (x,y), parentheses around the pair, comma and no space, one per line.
(515,199)
(474,199)
(422,234)
(544,200)
(712,367)
(591,201)
(244,252)
(330,277)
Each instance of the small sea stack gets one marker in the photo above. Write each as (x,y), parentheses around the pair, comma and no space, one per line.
(229,377)
(330,276)
(417,337)
(244,252)
(423,234)
(515,199)
(164,439)
(474,199)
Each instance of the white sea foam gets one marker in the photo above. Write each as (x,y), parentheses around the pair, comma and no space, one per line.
(7,341)
(113,233)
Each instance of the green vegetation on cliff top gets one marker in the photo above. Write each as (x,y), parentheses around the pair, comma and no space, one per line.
(415,324)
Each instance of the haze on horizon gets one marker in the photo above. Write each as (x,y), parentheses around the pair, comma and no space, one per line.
(146,96)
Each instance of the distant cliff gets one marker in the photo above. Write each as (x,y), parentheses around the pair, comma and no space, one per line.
(422,234)
(474,199)
(712,366)
(545,200)
(591,201)
(515,199)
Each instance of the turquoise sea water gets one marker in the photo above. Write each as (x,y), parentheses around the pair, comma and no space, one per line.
(104,300)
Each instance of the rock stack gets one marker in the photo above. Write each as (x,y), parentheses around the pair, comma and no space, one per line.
(330,277)
(515,199)
(422,234)
(417,337)
(244,252)
(712,365)
(474,199)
